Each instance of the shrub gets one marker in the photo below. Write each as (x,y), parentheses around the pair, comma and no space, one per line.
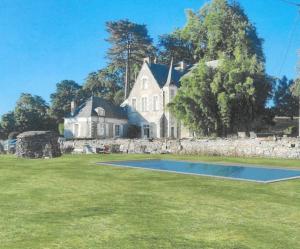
(134,131)
(61,129)
(67,149)
(13,135)
(291,131)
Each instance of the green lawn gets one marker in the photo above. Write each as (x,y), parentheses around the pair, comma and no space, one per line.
(70,202)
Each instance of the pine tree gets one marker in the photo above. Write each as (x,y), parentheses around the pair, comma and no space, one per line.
(130,43)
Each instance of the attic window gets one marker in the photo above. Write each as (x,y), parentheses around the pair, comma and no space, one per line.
(100,111)
(144,83)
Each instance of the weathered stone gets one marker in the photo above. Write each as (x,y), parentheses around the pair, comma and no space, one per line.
(38,144)
(255,147)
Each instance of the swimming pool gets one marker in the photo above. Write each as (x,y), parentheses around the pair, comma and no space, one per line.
(235,172)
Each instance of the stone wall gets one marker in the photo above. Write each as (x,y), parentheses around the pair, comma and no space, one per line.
(258,147)
(38,144)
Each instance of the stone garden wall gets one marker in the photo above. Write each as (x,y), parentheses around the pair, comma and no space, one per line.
(255,147)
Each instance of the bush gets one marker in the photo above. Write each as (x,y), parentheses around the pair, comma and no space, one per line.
(13,135)
(291,131)
(67,150)
(61,129)
(1,148)
(134,131)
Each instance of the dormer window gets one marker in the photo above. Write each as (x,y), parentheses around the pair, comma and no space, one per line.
(100,111)
(144,83)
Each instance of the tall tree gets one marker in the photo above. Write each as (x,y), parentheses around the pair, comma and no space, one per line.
(130,43)
(285,103)
(8,123)
(32,113)
(66,91)
(238,87)
(105,83)
(174,46)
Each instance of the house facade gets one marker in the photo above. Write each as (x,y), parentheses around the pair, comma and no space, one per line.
(96,118)
(146,107)
(156,85)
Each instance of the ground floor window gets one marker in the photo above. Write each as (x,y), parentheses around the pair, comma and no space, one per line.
(146,131)
(117,130)
(172,132)
(101,129)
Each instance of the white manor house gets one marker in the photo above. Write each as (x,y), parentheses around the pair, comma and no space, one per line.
(146,107)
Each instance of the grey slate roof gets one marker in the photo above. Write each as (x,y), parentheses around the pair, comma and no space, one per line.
(87,109)
(161,72)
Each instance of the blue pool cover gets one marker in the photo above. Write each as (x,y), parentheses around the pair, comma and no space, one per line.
(247,173)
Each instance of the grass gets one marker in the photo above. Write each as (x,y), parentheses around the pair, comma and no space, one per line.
(69,202)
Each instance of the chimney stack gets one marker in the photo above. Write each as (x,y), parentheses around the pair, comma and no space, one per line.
(73,107)
(147,60)
(182,65)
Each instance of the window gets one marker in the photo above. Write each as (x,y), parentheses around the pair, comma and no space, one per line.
(172,132)
(117,130)
(144,104)
(100,111)
(155,103)
(144,83)
(146,131)
(172,94)
(101,129)
(133,103)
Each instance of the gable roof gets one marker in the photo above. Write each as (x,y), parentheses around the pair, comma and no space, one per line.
(164,74)
(87,109)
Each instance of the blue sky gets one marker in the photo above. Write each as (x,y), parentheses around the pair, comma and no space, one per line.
(43,42)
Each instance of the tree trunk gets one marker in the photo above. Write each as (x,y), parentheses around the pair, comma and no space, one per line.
(127,74)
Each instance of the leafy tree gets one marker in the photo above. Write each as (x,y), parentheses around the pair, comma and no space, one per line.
(173,46)
(195,104)
(66,91)
(285,103)
(130,43)
(32,113)
(218,28)
(105,83)
(233,95)
(7,124)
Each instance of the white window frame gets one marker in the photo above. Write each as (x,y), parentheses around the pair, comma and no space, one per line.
(172,93)
(134,106)
(145,83)
(100,111)
(155,103)
(144,104)
(119,130)
(101,129)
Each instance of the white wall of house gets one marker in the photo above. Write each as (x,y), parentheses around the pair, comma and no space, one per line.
(145,103)
(94,127)
(108,127)
(77,127)
(155,111)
